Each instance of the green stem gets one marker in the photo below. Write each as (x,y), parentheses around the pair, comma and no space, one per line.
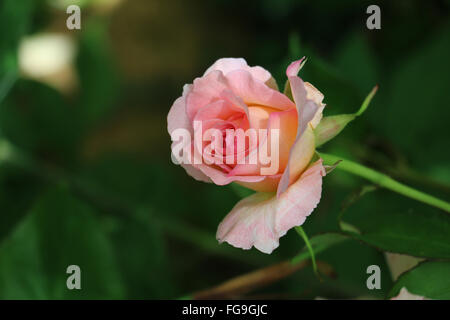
(305,238)
(384,181)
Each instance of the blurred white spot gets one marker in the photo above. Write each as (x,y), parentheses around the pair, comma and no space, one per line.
(49,58)
(45,54)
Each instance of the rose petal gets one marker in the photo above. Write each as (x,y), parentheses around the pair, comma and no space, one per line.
(254,92)
(196,173)
(258,116)
(306,108)
(227,65)
(261,219)
(295,66)
(177,117)
(303,147)
(301,198)
(312,93)
(316,96)
(220,109)
(286,122)
(220,178)
(300,155)
(204,91)
(269,184)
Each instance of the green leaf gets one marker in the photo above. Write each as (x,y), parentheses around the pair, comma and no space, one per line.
(98,79)
(349,259)
(36,117)
(430,279)
(413,115)
(18,190)
(59,231)
(140,250)
(9,75)
(399,226)
(330,127)
(355,50)
(355,196)
(17,14)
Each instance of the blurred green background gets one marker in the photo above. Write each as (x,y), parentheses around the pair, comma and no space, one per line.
(85,170)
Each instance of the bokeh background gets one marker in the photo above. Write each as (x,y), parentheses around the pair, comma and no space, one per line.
(85,170)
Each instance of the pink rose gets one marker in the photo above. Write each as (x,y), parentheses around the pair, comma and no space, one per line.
(275,157)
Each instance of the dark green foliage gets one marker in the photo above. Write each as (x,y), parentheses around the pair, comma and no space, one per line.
(89,179)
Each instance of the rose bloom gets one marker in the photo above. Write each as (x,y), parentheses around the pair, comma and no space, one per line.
(233,95)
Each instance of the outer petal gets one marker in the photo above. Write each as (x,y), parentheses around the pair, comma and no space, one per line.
(300,199)
(261,219)
(303,147)
(312,93)
(196,173)
(306,107)
(316,96)
(295,66)
(176,119)
(300,155)
(227,65)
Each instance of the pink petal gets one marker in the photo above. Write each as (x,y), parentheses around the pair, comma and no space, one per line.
(238,87)
(258,116)
(220,109)
(227,65)
(303,147)
(177,117)
(196,173)
(261,219)
(220,178)
(293,69)
(312,93)
(286,122)
(254,92)
(204,91)
(300,155)
(301,198)
(306,108)
(316,96)
(269,184)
